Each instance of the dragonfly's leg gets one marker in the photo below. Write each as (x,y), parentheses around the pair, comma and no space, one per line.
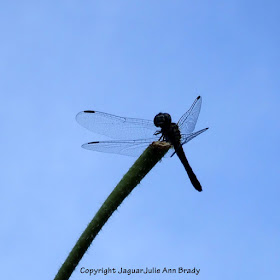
(157,132)
(173,154)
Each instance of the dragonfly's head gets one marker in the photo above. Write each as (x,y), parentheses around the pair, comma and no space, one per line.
(162,120)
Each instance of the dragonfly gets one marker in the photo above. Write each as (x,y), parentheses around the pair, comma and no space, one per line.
(134,135)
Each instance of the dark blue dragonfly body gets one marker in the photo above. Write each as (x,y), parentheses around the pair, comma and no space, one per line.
(134,135)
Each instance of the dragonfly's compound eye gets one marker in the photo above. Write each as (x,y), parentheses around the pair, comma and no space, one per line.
(162,119)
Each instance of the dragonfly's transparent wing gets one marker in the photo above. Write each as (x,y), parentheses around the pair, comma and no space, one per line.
(185,138)
(132,148)
(188,121)
(116,127)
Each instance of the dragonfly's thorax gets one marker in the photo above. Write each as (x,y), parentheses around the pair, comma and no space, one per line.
(172,134)
(169,130)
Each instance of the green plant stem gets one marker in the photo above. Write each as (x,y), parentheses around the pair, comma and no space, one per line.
(130,180)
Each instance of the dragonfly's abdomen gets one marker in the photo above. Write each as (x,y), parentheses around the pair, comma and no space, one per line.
(181,155)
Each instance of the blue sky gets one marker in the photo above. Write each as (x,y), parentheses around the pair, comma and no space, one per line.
(135,59)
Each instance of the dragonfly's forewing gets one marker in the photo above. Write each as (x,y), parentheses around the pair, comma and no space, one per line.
(132,148)
(188,121)
(116,127)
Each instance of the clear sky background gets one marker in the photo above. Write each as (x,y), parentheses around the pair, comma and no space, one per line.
(135,59)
